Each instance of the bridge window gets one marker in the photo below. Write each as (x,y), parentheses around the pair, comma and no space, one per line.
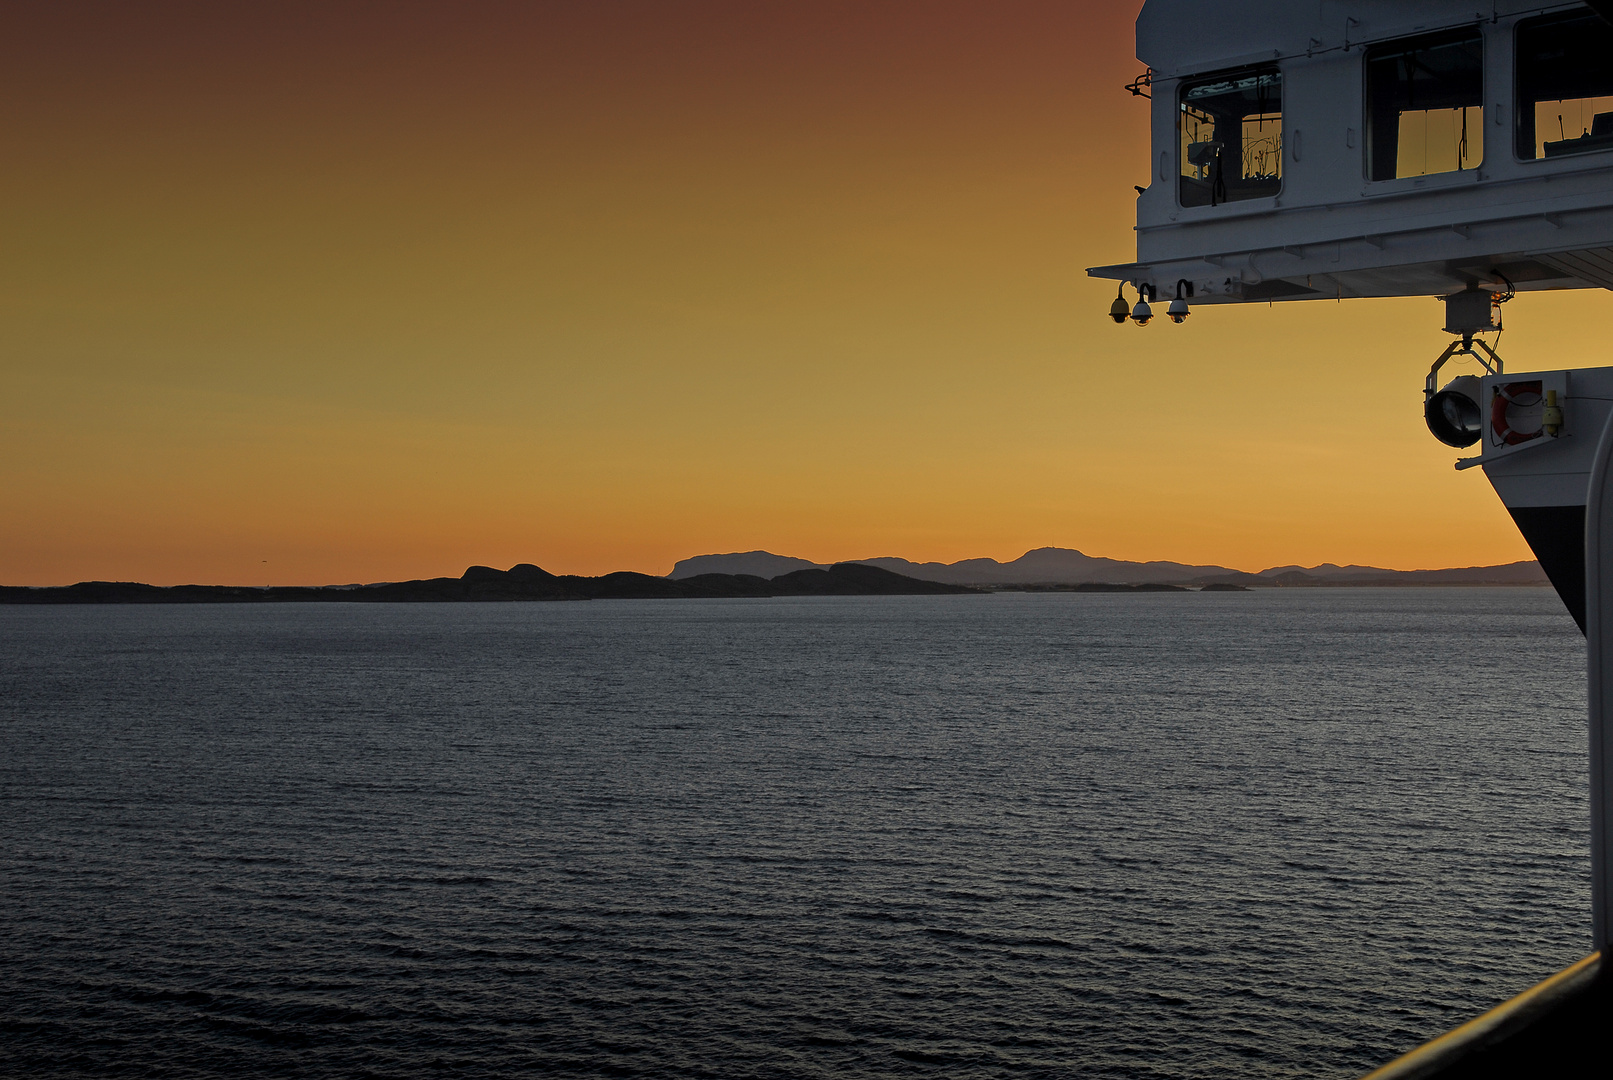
(1565,85)
(1425,105)
(1231,134)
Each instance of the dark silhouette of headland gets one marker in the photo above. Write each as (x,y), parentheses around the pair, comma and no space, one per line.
(520,582)
(763,574)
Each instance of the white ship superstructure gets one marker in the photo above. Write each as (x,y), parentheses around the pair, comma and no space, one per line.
(1322,149)
(1305,150)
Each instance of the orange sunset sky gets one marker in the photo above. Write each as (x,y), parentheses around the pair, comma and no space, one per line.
(326,292)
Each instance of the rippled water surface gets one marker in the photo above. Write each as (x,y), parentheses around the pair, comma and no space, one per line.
(1263,834)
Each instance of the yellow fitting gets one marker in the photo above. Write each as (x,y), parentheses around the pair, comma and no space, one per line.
(1551,421)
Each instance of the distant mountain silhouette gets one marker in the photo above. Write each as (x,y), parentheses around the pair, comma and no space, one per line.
(762,564)
(1517,573)
(1066,566)
(1052,566)
(714,576)
(520,582)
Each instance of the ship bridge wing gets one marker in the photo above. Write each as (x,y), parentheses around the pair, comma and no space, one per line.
(1374,149)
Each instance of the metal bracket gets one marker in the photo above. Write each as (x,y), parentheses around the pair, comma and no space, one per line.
(1494,368)
(1465,347)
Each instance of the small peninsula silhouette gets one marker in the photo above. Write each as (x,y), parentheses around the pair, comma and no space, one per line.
(521,582)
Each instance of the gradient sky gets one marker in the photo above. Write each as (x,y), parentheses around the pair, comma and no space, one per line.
(305,293)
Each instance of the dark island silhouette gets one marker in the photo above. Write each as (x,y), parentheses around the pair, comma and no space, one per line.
(521,582)
(1058,567)
(763,574)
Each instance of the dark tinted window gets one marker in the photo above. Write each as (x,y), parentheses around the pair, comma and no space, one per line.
(1231,136)
(1565,85)
(1425,105)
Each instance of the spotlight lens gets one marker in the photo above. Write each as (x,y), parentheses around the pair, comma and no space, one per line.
(1460,412)
(1453,418)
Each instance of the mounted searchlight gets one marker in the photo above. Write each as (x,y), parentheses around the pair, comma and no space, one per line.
(1453,414)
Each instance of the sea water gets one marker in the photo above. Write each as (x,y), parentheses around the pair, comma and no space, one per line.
(1278,833)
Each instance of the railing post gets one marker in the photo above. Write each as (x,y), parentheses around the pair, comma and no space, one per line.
(1599,672)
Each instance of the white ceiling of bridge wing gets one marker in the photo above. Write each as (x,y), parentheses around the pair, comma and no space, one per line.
(1593,265)
(1177,37)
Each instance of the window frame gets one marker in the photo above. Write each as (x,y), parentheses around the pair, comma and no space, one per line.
(1400,44)
(1517,88)
(1186,82)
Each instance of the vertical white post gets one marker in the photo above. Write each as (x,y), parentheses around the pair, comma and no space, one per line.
(1599,665)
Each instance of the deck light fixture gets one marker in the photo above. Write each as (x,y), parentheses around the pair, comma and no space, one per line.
(1453,414)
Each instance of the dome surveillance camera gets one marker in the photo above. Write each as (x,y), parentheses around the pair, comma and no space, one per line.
(1142,312)
(1119,311)
(1178,309)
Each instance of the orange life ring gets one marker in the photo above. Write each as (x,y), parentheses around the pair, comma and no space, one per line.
(1508,394)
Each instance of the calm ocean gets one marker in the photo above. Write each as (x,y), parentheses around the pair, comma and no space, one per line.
(1188,835)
